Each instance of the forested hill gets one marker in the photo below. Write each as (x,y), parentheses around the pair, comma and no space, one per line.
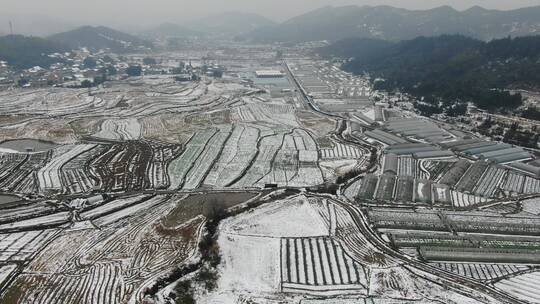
(395,24)
(100,37)
(230,23)
(355,47)
(450,67)
(26,52)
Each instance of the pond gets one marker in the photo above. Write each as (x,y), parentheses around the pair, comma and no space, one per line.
(199,204)
(21,145)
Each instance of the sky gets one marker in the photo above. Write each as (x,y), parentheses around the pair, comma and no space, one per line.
(137,13)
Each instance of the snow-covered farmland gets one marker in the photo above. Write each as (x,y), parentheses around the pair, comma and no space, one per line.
(119,129)
(22,246)
(50,176)
(524,287)
(250,246)
(6,271)
(484,272)
(113,264)
(341,151)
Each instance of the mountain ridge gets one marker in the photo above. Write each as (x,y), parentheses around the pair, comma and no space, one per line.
(334,23)
(230,23)
(99,37)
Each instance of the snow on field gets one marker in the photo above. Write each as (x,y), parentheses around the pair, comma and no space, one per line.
(460,199)
(54,101)
(113,264)
(250,247)
(250,264)
(271,113)
(120,129)
(341,151)
(111,206)
(6,271)
(21,246)
(283,251)
(352,190)
(235,157)
(46,220)
(524,287)
(338,167)
(288,218)
(49,176)
(369,112)
(179,167)
(531,206)
(403,284)
(129,211)
(206,159)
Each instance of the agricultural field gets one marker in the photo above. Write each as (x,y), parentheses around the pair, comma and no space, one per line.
(334,269)
(248,190)
(522,286)
(124,129)
(110,265)
(132,165)
(341,151)
(484,272)
(322,256)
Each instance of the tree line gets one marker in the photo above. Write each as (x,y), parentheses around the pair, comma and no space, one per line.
(447,69)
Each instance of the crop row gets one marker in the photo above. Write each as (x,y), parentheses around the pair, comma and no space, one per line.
(341,151)
(513,183)
(489,182)
(24,178)
(472,176)
(319,261)
(436,169)
(407,166)
(531,185)
(107,265)
(50,176)
(460,199)
(483,272)
(21,246)
(524,287)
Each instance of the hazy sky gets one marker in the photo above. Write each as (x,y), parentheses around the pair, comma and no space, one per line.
(124,12)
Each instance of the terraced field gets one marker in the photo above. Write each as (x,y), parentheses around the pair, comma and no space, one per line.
(248,190)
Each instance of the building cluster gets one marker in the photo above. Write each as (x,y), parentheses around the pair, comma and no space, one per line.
(82,67)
